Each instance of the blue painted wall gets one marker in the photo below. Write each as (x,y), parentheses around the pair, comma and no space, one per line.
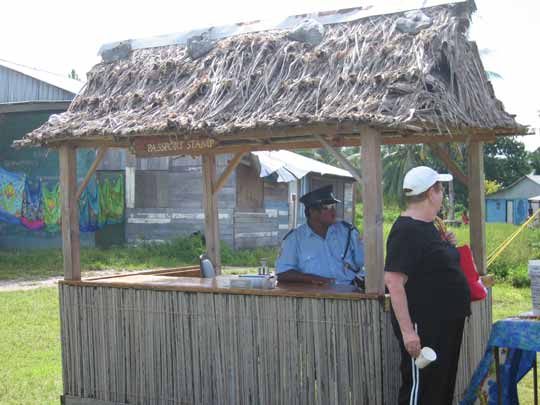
(496,210)
(520,208)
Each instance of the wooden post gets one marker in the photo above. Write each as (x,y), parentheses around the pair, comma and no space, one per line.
(373,210)
(211,218)
(477,205)
(70,213)
(452,167)
(354,198)
(91,171)
(451,201)
(131,169)
(228,171)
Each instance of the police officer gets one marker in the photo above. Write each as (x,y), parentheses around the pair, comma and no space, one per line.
(323,250)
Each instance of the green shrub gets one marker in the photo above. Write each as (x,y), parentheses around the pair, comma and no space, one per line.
(519,277)
(248,257)
(500,270)
(33,264)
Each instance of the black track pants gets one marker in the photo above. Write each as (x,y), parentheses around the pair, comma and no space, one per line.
(433,385)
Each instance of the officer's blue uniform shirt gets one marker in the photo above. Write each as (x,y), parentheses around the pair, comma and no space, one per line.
(305,251)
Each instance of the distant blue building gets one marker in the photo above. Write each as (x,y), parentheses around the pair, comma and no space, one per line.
(512,204)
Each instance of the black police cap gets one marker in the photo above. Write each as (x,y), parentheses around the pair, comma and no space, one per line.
(323,195)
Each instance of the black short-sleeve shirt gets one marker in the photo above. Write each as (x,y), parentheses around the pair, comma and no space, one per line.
(436,287)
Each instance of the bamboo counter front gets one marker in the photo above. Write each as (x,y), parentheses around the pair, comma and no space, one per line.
(157,338)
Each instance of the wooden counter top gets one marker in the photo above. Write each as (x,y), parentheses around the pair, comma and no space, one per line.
(221,285)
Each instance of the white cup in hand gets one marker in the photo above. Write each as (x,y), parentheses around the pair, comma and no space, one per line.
(427,355)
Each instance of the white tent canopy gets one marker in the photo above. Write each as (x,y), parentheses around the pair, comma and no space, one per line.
(290,166)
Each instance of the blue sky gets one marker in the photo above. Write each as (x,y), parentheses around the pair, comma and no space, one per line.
(59,35)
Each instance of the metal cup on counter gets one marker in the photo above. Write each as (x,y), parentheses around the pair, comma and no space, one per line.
(263,269)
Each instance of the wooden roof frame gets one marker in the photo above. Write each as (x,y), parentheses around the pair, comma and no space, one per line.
(371,139)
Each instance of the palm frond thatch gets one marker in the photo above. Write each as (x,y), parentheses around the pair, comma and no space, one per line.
(365,71)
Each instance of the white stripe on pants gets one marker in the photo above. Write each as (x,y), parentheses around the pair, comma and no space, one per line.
(415,378)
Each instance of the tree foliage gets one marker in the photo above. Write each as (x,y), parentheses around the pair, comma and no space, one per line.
(491,186)
(535,161)
(506,161)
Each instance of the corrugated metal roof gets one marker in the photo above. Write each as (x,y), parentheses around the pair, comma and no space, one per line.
(290,166)
(535,178)
(64,83)
(503,193)
(367,8)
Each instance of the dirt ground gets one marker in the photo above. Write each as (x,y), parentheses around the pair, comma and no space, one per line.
(24,285)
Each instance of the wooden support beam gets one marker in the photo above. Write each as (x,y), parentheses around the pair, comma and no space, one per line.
(452,167)
(101,154)
(340,158)
(131,170)
(211,218)
(373,210)
(228,170)
(477,205)
(70,213)
(291,140)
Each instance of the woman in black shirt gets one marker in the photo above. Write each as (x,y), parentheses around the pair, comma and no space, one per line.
(429,293)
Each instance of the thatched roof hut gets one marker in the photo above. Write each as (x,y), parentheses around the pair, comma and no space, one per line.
(360,76)
(410,72)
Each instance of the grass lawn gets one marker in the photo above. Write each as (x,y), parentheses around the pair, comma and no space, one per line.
(30,372)
(41,264)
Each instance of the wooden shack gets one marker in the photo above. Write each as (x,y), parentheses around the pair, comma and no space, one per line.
(256,204)
(364,76)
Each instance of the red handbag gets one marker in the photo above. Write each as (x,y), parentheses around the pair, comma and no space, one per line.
(466,262)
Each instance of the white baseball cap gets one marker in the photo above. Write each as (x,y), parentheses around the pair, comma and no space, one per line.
(419,179)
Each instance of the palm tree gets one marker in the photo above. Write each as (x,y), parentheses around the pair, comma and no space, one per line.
(397,160)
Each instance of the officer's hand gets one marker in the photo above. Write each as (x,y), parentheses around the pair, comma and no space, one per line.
(323,281)
(412,344)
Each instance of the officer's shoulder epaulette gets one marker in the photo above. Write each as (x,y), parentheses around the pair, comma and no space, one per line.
(349,226)
(288,233)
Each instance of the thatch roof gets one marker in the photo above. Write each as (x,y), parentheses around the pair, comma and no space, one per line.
(367,71)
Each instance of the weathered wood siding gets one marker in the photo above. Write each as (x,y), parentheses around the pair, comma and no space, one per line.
(249,188)
(168,196)
(164,198)
(261,217)
(253,229)
(276,203)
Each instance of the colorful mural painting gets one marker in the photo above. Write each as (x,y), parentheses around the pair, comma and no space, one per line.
(27,201)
